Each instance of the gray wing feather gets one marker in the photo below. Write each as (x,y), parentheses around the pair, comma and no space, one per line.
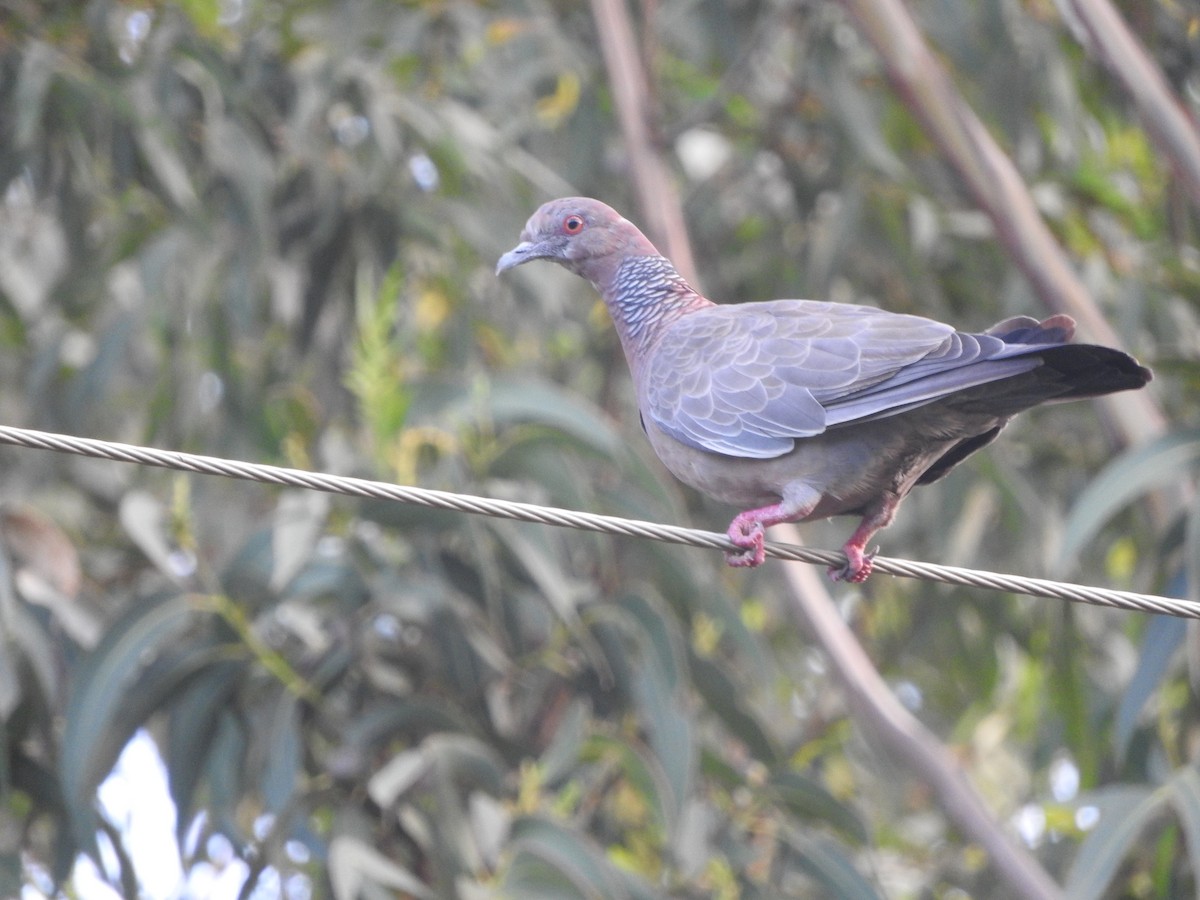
(748,380)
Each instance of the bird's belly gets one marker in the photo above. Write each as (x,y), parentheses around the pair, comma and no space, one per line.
(849,467)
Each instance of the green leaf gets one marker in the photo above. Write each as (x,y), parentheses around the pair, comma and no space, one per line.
(508,402)
(665,647)
(36,74)
(807,799)
(827,864)
(299,521)
(644,773)
(247,577)
(538,550)
(551,860)
(670,737)
(354,864)
(397,775)
(20,630)
(1125,810)
(1163,636)
(560,758)
(1163,461)
(144,519)
(1184,788)
(524,400)
(725,699)
(412,718)
(1191,553)
(225,768)
(191,730)
(284,760)
(110,698)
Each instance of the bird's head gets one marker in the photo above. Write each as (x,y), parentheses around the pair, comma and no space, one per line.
(584,235)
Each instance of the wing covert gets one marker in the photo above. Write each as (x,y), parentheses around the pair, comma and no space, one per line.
(748,380)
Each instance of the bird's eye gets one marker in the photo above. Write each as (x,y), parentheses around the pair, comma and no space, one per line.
(572,224)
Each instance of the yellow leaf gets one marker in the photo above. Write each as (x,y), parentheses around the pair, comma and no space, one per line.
(431,309)
(1121,560)
(553,109)
(502,31)
(706,633)
(754,615)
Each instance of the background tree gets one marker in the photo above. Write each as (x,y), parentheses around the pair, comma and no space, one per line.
(267,231)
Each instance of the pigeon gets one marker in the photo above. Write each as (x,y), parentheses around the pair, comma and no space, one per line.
(796,410)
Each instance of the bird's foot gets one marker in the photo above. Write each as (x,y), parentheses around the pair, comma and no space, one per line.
(748,533)
(858,565)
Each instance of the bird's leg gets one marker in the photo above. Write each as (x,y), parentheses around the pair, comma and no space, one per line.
(748,529)
(858,561)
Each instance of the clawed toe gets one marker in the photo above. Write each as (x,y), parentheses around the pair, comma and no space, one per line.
(749,536)
(857,568)
(745,559)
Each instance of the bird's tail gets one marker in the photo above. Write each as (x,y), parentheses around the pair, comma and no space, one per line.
(1085,370)
(1067,372)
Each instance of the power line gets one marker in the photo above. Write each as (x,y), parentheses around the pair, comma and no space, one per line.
(567,518)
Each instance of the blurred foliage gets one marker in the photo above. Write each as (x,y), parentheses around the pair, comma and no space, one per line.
(267,230)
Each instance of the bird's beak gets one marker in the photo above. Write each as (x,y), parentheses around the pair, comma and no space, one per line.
(523,252)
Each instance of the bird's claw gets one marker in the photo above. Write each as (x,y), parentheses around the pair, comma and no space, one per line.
(749,536)
(857,567)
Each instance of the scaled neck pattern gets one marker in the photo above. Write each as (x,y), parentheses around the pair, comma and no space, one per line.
(647,294)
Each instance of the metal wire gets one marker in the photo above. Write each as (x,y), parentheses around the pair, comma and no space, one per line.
(566,518)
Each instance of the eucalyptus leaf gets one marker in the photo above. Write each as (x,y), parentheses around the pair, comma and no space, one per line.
(808,799)
(103,683)
(283,764)
(1184,788)
(828,865)
(1125,811)
(1172,458)
(398,775)
(269,232)
(549,858)
(671,737)
(191,731)
(144,519)
(512,401)
(354,864)
(559,759)
(645,773)
(225,767)
(299,521)
(1163,636)
(723,696)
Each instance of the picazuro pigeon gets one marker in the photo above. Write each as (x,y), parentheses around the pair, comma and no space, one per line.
(797,409)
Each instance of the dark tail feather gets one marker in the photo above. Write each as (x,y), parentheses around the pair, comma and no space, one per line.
(1068,372)
(1090,371)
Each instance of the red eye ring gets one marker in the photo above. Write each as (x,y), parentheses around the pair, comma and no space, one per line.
(572,224)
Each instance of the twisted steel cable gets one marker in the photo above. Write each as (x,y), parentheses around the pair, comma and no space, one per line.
(566,518)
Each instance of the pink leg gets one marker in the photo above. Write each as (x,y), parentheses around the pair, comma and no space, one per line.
(858,561)
(748,529)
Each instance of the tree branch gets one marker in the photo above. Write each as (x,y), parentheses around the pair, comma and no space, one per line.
(876,708)
(872,701)
(652,182)
(1099,27)
(998,188)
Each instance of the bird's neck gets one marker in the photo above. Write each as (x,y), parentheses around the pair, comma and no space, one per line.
(644,295)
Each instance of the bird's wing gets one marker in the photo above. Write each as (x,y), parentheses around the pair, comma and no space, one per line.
(747,380)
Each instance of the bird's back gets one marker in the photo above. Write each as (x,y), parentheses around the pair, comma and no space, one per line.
(749,380)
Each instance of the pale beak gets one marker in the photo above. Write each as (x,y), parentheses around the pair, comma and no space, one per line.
(523,252)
